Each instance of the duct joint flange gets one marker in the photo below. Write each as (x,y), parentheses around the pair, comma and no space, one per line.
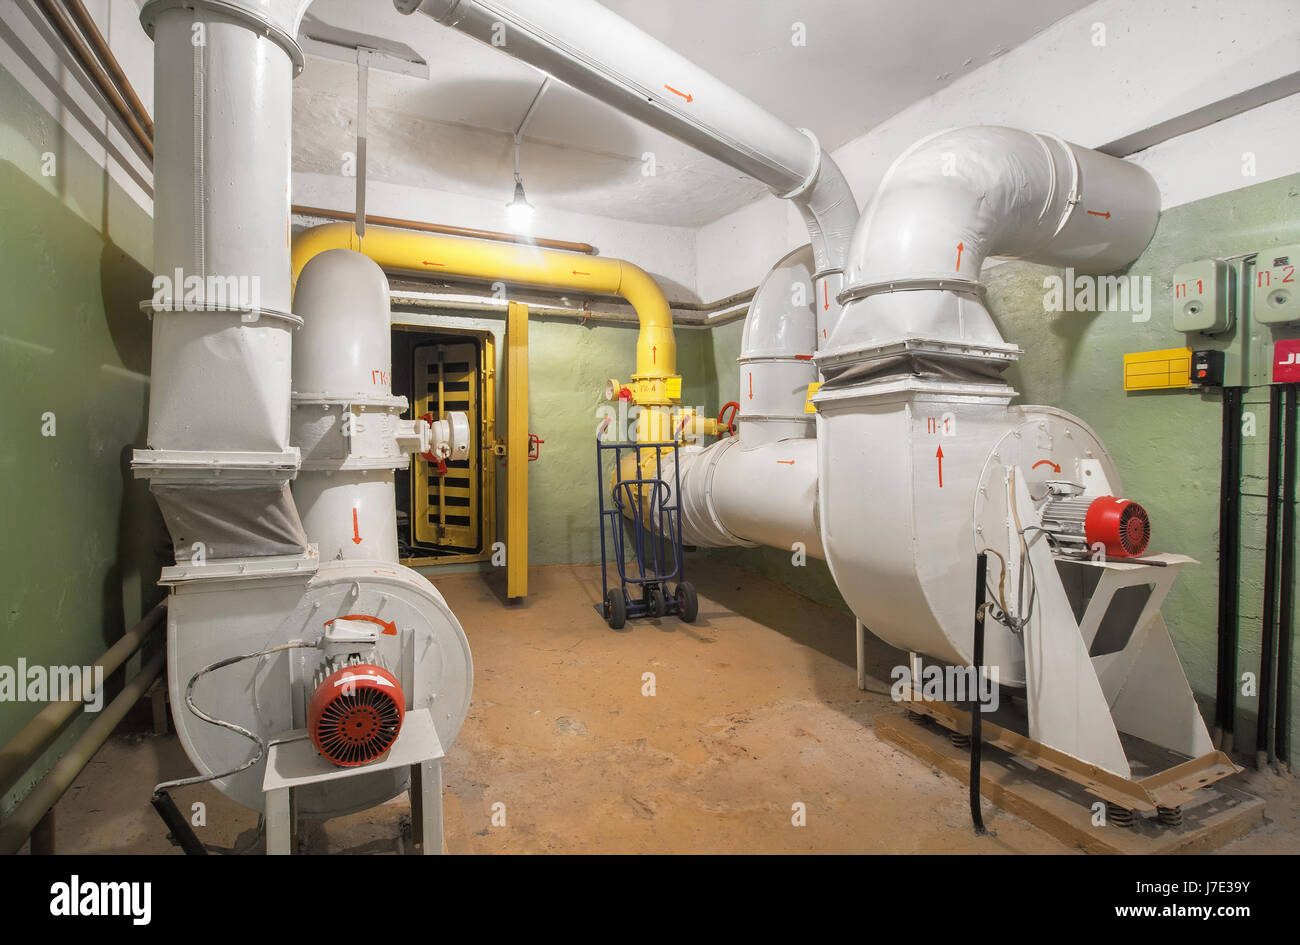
(808,182)
(247,313)
(254,18)
(721,447)
(1076,193)
(969,287)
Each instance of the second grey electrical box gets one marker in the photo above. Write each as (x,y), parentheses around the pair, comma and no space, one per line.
(1203,297)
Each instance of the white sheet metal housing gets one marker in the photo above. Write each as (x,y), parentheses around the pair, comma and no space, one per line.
(776,350)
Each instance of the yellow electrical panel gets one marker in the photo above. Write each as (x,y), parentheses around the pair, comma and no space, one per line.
(1155,370)
(445,506)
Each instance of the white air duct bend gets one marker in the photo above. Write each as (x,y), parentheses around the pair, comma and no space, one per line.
(956,198)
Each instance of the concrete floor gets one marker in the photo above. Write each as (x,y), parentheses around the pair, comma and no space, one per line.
(756,709)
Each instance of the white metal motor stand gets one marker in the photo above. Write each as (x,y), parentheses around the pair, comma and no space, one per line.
(293,762)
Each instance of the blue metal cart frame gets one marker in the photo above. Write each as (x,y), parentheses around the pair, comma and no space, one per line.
(652,508)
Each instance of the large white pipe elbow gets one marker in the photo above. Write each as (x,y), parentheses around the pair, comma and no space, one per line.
(958,197)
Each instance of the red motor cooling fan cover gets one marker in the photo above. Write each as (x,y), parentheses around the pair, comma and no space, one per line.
(1122,526)
(355,714)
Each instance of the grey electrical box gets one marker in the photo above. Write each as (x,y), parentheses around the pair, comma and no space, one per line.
(1276,299)
(1203,297)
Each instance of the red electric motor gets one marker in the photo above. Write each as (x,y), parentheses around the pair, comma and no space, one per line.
(355,714)
(1118,525)
(1122,526)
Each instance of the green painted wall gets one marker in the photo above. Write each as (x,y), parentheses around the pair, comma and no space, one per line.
(80,552)
(1166,443)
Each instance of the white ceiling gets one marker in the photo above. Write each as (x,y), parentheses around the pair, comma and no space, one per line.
(864,61)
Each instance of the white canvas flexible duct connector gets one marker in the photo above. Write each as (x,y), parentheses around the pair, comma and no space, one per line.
(219,458)
(586,46)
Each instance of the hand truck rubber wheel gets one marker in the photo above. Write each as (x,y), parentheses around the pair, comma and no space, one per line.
(654,601)
(688,605)
(615,609)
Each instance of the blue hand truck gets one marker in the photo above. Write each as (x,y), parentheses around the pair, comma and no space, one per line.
(650,508)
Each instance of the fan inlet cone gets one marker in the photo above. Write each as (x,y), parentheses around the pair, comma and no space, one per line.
(355,714)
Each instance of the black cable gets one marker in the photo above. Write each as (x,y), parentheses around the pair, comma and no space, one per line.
(977,709)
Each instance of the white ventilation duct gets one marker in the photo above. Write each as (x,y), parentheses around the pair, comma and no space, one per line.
(224,444)
(760,487)
(586,46)
(219,458)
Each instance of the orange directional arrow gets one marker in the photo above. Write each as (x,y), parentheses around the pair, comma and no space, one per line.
(356,530)
(1056,467)
(939,456)
(688,97)
(1098,213)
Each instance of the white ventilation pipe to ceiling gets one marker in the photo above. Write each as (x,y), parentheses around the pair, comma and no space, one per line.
(954,199)
(585,45)
(219,457)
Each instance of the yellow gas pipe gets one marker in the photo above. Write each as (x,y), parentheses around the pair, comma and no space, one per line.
(655,385)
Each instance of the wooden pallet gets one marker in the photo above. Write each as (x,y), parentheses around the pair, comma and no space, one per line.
(1212,815)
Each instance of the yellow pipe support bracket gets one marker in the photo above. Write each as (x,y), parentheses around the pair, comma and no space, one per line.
(655,382)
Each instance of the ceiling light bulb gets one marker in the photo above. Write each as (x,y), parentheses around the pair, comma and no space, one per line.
(519,211)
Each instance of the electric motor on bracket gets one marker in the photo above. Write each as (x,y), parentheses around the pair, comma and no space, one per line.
(355,712)
(1120,526)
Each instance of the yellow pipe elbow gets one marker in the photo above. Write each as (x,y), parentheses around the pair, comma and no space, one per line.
(655,380)
(656,348)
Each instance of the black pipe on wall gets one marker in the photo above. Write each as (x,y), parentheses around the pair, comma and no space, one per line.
(1286,599)
(1225,702)
(1268,636)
